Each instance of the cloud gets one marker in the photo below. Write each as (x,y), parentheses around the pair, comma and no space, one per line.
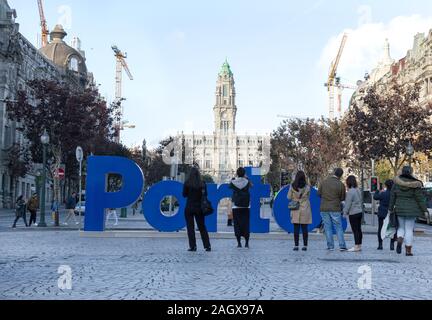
(364,47)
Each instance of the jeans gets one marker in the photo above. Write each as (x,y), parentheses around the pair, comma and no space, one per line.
(356,226)
(406,230)
(331,219)
(32,217)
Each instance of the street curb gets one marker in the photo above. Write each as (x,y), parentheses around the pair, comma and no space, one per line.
(218,235)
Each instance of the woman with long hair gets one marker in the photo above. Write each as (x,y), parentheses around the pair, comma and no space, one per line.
(301,212)
(194,189)
(353,209)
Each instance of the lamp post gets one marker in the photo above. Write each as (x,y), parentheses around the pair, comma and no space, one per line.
(45,139)
(410,152)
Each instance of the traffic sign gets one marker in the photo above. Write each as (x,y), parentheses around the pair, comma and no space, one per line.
(79,154)
(61,173)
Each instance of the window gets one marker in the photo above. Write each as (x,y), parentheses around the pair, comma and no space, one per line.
(241,163)
(225,90)
(73,64)
(208,164)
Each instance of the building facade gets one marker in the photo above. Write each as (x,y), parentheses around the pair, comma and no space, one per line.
(414,68)
(20,62)
(220,154)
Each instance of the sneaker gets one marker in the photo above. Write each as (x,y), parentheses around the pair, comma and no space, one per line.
(296,249)
(330,249)
(354,249)
(343,249)
(304,249)
(65,224)
(208,249)
(77,223)
(36,224)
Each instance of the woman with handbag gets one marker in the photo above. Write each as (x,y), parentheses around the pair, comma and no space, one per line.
(241,206)
(194,191)
(384,199)
(301,212)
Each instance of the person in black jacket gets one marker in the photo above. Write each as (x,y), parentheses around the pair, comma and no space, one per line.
(384,199)
(194,189)
(20,211)
(241,206)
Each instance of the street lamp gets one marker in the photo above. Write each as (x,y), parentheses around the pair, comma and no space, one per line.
(410,152)
(45,139)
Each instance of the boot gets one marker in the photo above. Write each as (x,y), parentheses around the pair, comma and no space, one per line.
(380,246)
(409,251)
(392,244)
(230,223)
(400,242)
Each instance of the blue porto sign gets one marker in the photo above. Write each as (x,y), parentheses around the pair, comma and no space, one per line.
(98,199)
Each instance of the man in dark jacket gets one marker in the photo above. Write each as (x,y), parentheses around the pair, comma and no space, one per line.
(408,202)
(332,192)
(384,199)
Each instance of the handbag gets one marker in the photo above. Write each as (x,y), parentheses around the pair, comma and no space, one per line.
(295,205)
(206,206)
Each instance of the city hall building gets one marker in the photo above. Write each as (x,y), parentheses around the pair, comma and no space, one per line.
(220,153)
(20,62)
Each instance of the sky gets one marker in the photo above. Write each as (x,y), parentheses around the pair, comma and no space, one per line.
(280,52)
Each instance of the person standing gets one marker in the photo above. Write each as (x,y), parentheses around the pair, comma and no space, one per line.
(301,218)
(241,206)
(32,206)
(112,212)
(408,203)
(194,190)
(384,199)
(70,207)
(20,211)
(230,214)
(332,192)
(353,209)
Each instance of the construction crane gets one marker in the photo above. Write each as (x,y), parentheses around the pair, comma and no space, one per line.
(43,23)
(332,84)
(120,66)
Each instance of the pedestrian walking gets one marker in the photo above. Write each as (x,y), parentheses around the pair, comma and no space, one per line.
(54,210)
(20,211)
(70,208)
(112,213)
(353,210)
(230,214)
(301,212)
(332,192)
(241,206)
(32,206)
(408,203)
(384,199)
(194,190)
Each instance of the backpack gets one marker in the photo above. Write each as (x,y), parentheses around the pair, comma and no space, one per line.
(241,197)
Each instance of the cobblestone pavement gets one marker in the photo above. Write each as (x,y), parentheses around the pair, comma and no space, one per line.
(161,268)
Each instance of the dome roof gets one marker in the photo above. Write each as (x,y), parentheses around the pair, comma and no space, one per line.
(62,54)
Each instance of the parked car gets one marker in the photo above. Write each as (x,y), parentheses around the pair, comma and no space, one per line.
(81,210)
(428,197)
